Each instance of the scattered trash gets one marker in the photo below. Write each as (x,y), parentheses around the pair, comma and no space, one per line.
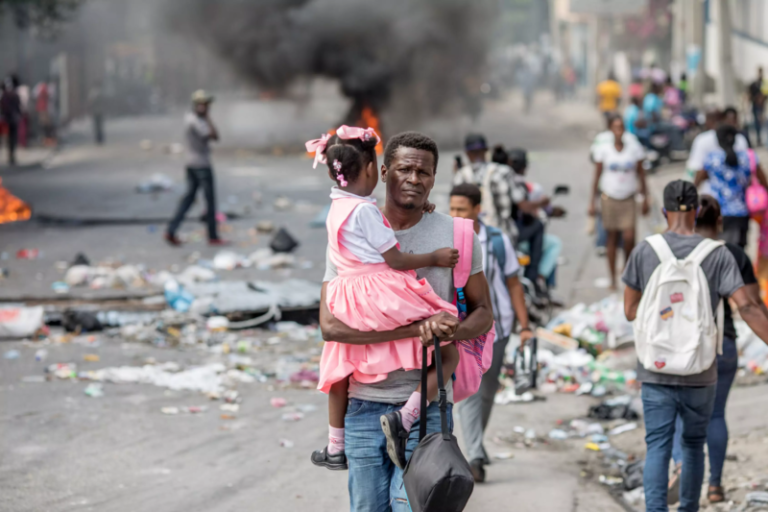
(558,434)
(229,407)
(610,480)
(504,456)
(81,321)
(614,409)
(627,427)
(177,297)
(4,273)
(228,417)
(91,358)
(265,226)
(28,254)
(278,402)
(94,390)
(156,183)
(170,410)
(19,321)
(63,370)
(12,354)
(229,260)
(282,203)
(634,497)
(283,242)
(60,287)
(633,475)
(293,416)
(305,376)
(285,443)
(41,354)
(602,283)
(81,259)
(217,323)
(756,499)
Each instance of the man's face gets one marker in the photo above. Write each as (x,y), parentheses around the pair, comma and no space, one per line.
(731,119)
(462,207)
(410,177)
(201,109)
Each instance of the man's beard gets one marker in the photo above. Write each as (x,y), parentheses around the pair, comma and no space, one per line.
(405,206)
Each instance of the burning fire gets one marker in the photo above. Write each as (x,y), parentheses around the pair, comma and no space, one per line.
(12,209)
(368,119)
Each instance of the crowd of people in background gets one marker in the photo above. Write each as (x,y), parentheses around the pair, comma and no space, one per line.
(26,114)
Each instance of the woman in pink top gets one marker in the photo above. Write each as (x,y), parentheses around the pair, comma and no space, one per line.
(376,290)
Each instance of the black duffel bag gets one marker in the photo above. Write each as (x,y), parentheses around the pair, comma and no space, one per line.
(437,477)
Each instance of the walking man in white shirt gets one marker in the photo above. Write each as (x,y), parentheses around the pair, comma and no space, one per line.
(501,267)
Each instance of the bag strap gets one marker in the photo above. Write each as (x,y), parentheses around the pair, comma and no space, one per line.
(704,249)
(752,163)
(463,240)
(661,247)
(442,394)
(497,244)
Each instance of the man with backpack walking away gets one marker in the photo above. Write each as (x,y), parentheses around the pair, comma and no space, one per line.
(676,284)
(501,267)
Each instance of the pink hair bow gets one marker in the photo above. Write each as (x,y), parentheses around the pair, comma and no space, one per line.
(353,132)
(318,147)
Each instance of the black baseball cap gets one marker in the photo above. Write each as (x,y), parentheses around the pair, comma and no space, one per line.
(518,155)
(680,196)
(475,142)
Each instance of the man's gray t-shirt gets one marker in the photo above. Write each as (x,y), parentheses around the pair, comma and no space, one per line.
(434,231)
(724,280)
(197,132)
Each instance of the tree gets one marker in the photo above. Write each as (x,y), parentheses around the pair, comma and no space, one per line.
(42,14)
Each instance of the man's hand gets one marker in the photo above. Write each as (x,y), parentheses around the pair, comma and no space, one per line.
(525,335)
(646,206)
(443,325)
(592,211)
(557,212)
(445,257)
(429,207)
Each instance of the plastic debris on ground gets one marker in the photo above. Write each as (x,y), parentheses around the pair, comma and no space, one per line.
(621,407)
(156,183)
(20,321)
(94,390)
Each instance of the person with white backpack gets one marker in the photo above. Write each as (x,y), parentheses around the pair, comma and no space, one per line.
(676,283)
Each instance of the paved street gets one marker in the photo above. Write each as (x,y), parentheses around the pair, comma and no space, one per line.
(65,451)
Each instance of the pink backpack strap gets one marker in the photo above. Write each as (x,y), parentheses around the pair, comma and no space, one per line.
(463,240)
(752,162)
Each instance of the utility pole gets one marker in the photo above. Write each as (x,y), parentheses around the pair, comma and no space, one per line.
(726,83)
(694,47)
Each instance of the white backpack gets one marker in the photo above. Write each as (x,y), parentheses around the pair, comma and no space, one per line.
(675,330)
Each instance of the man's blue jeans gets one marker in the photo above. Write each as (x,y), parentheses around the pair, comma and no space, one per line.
(375,483)
(717,433)
(661,406)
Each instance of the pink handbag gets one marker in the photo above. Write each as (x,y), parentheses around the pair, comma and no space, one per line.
(756,195)
(476,354)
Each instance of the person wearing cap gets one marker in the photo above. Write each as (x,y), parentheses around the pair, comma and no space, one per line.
(619,176)
(199,132)
(665,396)
(494,180)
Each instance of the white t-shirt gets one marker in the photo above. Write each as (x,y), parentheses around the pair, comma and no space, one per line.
(619,177)
(502,303)
(364,233)
(706,143)
(607,138)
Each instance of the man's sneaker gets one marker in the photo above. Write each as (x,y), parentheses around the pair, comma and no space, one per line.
(397,437)
(173,240)
(218,242)
(336,462)
(478,470)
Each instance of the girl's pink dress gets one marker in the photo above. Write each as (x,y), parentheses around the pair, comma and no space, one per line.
(372,297)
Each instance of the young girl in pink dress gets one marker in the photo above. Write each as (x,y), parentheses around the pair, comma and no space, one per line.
(376,290)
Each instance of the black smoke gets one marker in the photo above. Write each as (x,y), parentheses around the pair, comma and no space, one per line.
(422,57)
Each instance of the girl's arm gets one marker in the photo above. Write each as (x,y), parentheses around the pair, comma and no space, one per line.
(592,210)
(445,257)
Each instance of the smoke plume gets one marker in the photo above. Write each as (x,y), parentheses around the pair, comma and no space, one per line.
(421,57)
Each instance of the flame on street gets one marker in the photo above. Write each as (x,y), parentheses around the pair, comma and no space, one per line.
(12,209)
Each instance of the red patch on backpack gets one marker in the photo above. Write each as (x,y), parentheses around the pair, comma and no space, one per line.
(660,364)
(676,297)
